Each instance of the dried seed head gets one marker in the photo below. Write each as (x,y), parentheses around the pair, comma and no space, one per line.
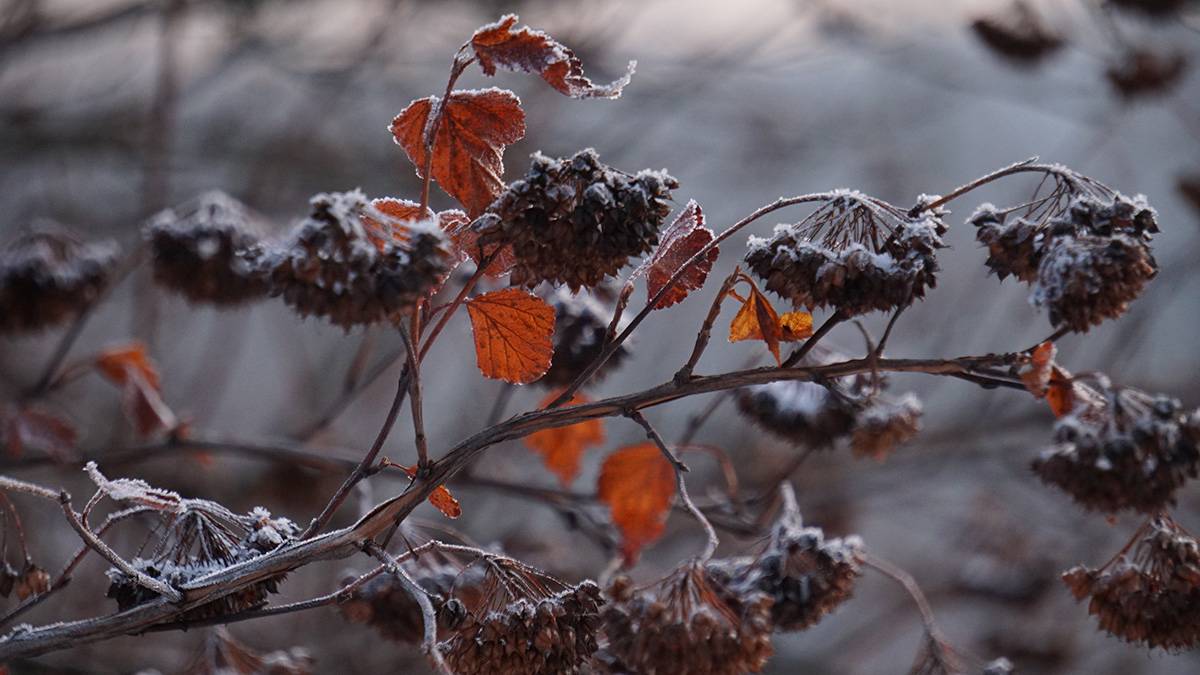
(1019,36)
(1143,72)
(329,266)
(854,254)
(208,250)
(686,623)
(1084,280)
(200,537)
(524,622)
(384,604)
(48,276)
(806,575)
(1148,595)
(1132,453)
(1014,247)
(576,221)
(885,424)
(580,324)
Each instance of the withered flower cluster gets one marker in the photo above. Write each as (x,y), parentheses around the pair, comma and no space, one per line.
(684,624)
(1019,36)
(384,604)
(575,221)
(806,575)
(48,276)
(201,537)
(1131,451)
(524,622)
(1145,72)
(1149,595)
(207,249)
(872,257)
(328,265)
(822,415)
(1085,264)
(580,324)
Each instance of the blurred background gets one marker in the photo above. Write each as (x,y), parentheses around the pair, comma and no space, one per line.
(111,110)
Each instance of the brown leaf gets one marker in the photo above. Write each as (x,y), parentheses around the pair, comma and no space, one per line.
(441,498)
(116,363)
(466,240)
(562,448)
(29,428)
(468,150)
(532,51)
(1060,392)
(1041,362)
(33,581)
(638,484)
(682,239)
(758,320)
(513,334)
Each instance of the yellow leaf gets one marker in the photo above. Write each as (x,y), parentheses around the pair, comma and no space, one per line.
(638,484)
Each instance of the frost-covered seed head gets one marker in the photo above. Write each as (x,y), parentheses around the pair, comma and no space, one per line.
(48,276)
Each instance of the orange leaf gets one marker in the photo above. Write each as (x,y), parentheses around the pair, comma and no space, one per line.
(1041,364)
(638,484)
(533,51)
(562,448)
(468,150)
(1060,392)
(32,428)
(758,320)
(441,498)
(116,363)
(513,334)
(682,239)
(400,213)
(466,240)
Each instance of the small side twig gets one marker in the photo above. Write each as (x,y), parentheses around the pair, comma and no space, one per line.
(795,357)
(910,586)
(414,395)
(429,644)
(711,547)
(705,333)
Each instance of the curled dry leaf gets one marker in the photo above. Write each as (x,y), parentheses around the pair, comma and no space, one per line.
(562,448)
(1041,363)
(758,320)
(682,239)
(532,51)
(399,213)
(638,484)
(513,334)
(30,428)
(468,147)
(130,367)
(441,498)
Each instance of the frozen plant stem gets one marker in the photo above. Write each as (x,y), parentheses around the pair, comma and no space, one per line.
(429,644)
(711,547)
(414,390)
(909,584)
(795,357)
(705,333)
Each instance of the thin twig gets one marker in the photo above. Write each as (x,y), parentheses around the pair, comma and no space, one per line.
(89,537)
(454,305)
(910,586)
(705,333)
(429,644)
(795,357)
(711,547)
(414,393)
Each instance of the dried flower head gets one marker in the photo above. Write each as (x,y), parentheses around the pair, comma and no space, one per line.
(207,249)
(854,253)
(1082,247)
(1144,72)
(387,606)
(806,575)
(576,221)
(580,324)
(329,266)
(1019,35)
(685,623)
(48,276)
(523,621)
(1150,593)
(223,655)
(885,424)
(1130,451)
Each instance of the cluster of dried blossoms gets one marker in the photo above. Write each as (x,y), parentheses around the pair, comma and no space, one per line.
(1150,594)
(48,276)
(1019,35)
(855,254)
(1122,449)
(1085,262)
(822,415)
(580,325)
(386,605)
(207,250)
(521,621)
(576,221)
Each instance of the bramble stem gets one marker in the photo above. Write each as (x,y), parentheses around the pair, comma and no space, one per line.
(429,643)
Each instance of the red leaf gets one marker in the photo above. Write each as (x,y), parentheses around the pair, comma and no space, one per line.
(682,239)
(141,400)
(532,51)
(562,448)
(638,484)
(1041,364)
(116,363)
(29,428)
(468,150)
(441,498)
(514,331)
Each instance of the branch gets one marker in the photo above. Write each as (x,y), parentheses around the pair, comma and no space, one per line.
(429,644)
